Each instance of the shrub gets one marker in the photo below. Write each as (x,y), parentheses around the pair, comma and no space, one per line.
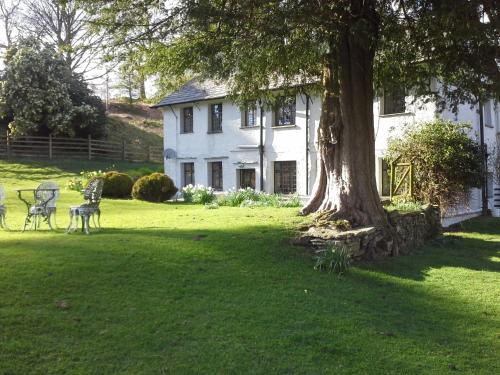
(447,162)
(335,259)
(117,185)
(155,187)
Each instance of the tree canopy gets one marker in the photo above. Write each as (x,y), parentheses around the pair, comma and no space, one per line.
(256,43)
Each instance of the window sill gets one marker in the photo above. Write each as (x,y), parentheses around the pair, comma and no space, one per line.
(214,132)
(250,127)
(397,114)
(186,133)
(284,126)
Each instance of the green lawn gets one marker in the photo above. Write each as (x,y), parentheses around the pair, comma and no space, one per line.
(179,289)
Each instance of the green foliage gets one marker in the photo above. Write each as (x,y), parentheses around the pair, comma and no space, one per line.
(413,41)
(41,96)
(117,185)
(334,259)
(79,183)
(404,203)
(250,198)
(447,162)
(198,194)
(155,187)
(135,174)
(235,198)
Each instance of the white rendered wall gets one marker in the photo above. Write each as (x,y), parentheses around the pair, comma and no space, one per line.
(237,147)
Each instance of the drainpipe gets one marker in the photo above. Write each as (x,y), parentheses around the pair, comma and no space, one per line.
(484,189)
(307,144)
(261,147)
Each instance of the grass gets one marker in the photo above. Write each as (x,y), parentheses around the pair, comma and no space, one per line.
(178,289)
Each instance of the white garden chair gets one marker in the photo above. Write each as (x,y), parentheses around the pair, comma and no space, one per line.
(46,196)
(92,194)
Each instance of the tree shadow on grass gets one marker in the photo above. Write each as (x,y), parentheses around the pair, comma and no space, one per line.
(217,301)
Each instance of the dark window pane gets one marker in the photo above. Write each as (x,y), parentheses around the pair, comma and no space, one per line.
(188,173)
(216,118)
(187,120)
(216,170)
(285,177)
(394,101)
(247,178)
(285,113)
(386,178)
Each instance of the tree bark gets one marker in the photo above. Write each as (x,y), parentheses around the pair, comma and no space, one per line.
(346,185)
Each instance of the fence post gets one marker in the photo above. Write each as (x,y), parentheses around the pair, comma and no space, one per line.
(90,147)
(8,145)
(50,146)
(123,149)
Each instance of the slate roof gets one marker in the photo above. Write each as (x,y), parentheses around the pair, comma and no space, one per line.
(194,91)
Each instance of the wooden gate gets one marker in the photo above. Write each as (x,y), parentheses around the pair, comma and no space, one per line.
(402,178)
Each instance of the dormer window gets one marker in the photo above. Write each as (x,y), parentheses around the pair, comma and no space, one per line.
(394,101)
(285,112)
(187,120)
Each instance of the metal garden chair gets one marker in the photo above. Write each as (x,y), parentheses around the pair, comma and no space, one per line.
(45,197)
(3,209)
(92,194)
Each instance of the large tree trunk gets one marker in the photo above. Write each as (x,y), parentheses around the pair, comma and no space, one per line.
(346,185)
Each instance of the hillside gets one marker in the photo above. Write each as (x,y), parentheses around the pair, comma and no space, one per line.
(136,123)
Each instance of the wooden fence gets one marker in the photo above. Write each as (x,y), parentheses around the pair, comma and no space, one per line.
(76,148)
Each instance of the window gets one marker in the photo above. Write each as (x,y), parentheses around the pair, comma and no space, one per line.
(215,118)
(250,117)
(489,186)
(215,174)
(285,112)
(285,177)
(187,120)
(487,118)
(187,174)
(386,179)
(247,178)
(394,101)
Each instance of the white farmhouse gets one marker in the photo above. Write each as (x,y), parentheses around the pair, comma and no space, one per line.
(210,140)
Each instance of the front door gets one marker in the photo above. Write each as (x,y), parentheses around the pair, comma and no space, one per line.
(247,178)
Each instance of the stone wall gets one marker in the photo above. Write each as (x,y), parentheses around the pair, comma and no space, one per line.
(413,229)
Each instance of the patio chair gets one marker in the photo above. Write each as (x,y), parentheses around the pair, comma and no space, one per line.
(92,194)
(46,196)
(3,209)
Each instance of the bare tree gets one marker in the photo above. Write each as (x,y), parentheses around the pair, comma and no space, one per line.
(67,25)
(8,16)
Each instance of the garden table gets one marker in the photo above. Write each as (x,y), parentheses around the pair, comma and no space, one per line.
(36,207)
